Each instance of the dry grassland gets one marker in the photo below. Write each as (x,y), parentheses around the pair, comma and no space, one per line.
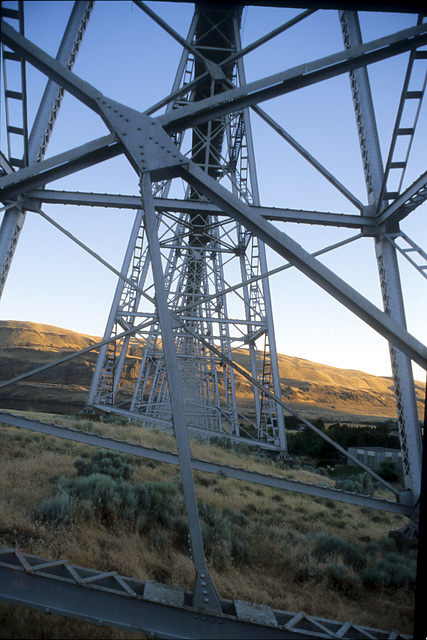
(283,569)
(312,389)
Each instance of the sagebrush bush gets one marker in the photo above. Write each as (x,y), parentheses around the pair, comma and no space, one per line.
(226,536)
(58,510)
(395,570)
(273,561)
(225,442)
(161,504)
(111,500)
(110,463)
(361,483)
(102,492)
(328,545)
(342,579)
(156,511)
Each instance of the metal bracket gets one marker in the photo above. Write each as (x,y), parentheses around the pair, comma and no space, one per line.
(147,146)
(215,70)
(163,593)
(205,596)
(258,613)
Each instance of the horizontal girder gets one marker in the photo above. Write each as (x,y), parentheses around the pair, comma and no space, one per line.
(225,471)
(280,83)
(117,201)
(234,99)
(107,598)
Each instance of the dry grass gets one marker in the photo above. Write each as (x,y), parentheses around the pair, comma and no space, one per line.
(282,523)
(340,394)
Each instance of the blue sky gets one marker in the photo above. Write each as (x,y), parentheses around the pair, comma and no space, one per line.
(130,59)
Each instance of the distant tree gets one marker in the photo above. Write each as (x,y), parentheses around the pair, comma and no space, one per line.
(389,471)
(308,443)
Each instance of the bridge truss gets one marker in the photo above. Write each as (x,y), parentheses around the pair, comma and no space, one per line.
(194,282)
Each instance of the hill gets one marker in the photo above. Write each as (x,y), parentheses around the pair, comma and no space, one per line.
(311,388)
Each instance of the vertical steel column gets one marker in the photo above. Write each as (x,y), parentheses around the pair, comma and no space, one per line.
(262,253)
(108,370)
(14,219)
(197,244)
(205,596)
(96,387)
(409,426)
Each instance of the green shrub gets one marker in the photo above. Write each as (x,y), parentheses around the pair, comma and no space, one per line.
(309,573)
(327,545)
(389,471)
(342,579)
(129,505)
(103,492)
(395,570)
(226,536)
(120,420)
(109,463)
(243,448)
(162,502)
(235,517)
(372,548)
(388,544)
(225,442)
(57,510)
(361,483)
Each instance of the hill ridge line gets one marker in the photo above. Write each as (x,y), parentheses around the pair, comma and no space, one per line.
(314,389)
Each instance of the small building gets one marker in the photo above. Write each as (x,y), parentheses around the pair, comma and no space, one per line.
(374,456)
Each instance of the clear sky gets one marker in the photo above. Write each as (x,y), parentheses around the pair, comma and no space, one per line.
(130,59)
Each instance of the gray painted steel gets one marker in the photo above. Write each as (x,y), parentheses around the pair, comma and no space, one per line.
(117,201)
(107,598)
(388,268)
(152,146)
(14,219)
(404,507)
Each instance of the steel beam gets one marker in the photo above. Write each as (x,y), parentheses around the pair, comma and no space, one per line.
(17,183)
(281,243)
(296,78)
(14,219)
(204,595)
(315,270)
(388,268)
(107,598)
(56,71)
(234,99)
(231,59)
(164,205)
(225,471)
(307,156)
(159,166)
(152,319)
(52,97)
(410,199)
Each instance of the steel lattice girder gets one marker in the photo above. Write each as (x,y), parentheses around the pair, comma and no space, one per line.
(213,108)
(107,598)
(277,240)
(42,128)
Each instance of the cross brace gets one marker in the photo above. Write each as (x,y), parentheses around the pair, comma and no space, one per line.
(179,165)
(117,201)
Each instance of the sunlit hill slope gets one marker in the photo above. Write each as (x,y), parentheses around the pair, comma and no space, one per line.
(316,390)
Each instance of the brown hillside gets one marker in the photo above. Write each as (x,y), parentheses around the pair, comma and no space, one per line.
(313,389)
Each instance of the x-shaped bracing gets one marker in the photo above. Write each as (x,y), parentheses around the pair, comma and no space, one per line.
(147,144)
(148,147)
